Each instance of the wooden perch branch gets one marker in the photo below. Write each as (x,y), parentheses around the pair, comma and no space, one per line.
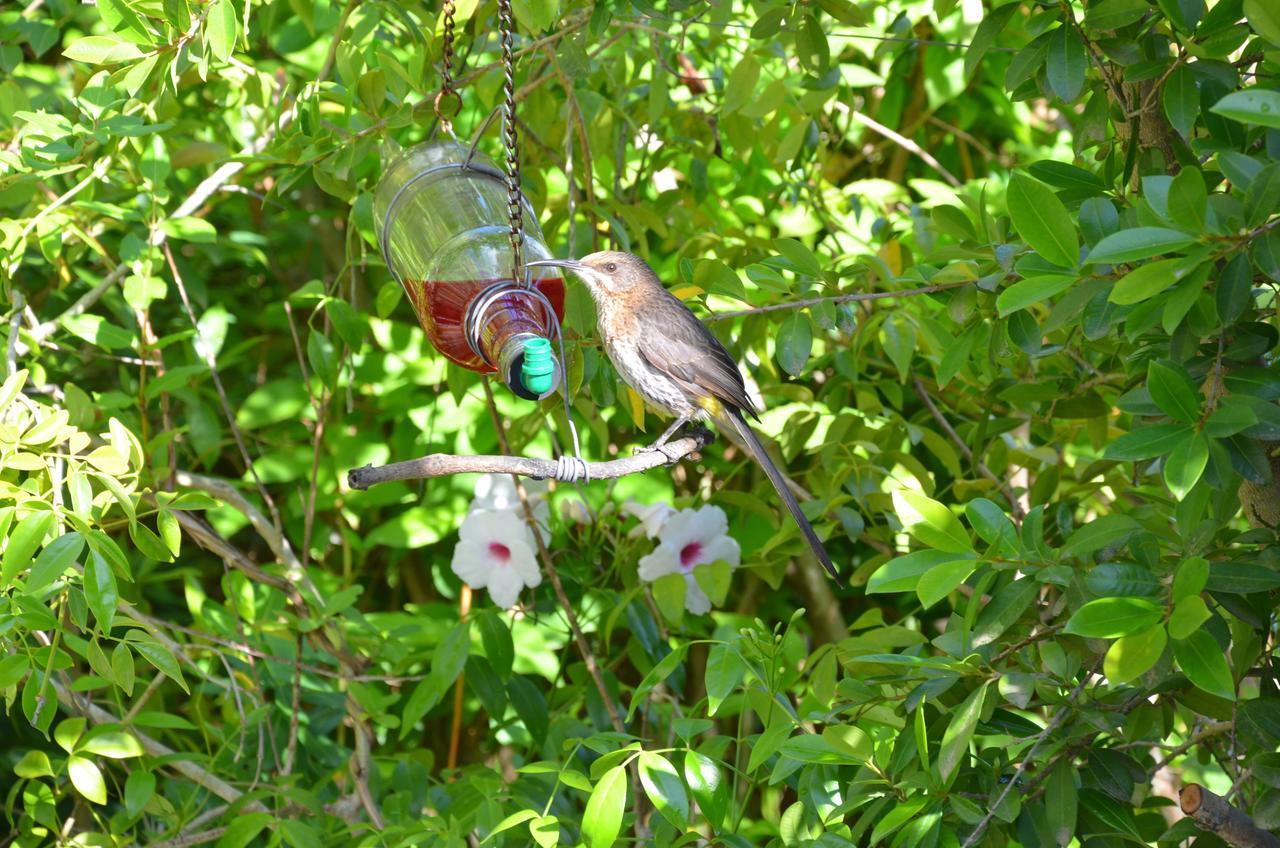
(442,464)
(1212,813)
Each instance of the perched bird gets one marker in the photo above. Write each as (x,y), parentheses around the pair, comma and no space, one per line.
(674,362)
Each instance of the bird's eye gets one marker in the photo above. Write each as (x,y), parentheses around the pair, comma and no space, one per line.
(611,266)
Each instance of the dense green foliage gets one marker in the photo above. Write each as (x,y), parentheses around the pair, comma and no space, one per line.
(1045,469)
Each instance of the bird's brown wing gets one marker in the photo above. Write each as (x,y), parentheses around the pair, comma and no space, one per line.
(676,343)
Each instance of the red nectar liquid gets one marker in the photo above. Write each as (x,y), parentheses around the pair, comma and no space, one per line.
(442,308)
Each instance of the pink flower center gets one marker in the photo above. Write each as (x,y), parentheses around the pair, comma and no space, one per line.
(689,555)
(500,552)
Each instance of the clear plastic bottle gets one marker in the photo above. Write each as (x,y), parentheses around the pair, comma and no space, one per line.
(442,225)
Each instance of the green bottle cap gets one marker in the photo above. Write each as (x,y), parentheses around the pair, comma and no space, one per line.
(539,368)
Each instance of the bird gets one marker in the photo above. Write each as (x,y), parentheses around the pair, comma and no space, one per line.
(676,365)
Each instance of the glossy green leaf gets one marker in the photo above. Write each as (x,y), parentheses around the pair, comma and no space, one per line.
(1110,618)
(1042,221)
(1204,664)
(1132,656)
(602,820)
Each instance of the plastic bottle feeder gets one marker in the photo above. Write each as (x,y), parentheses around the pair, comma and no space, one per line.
(440,212)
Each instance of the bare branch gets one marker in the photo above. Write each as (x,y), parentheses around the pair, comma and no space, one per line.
(443,464)
(185,767)
(839,298)
(1213,814)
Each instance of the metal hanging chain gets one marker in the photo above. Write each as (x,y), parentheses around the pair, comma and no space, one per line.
(448,93)
(511,141)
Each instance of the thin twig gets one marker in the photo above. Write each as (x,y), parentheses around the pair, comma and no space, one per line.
(185,767)
(839,298)
(1015,506)
(1054,723)
(442,465)
(907,144)
(584,648)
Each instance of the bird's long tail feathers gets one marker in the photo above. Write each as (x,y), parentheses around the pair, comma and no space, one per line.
(736,426)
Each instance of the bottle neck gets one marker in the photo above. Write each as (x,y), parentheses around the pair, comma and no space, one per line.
(499,322)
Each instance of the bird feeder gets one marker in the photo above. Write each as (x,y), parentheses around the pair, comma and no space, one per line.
(441,213)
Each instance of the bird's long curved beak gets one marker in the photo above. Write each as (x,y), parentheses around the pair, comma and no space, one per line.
(571,264)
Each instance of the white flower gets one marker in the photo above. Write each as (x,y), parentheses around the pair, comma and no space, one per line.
(652,517)
(497,493)
(495,552)
(688,539)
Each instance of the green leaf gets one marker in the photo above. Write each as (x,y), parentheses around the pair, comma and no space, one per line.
(1148,442)
(22,544)
(499,648)
(984,37)
(1251,106)
(100,590)
(1030,291)
(1172,390)
(1138,243)
(102,50)
(138,791)
(1188,200)
(662,784)
(1131,656)
(1109,618)
(1264,17)
(992,524)
(87,780)
(1188,615)
(706,782)
(1042,221)
(660,672)
(1061,802)
(116,744)
(1190,578)
(1181,100)
(12,669)
(931,522)
(794,343)
(602,820)
(243,829)
(741,85)
(1066,63)
(1185,465)
(158,655)
(941,580)
(34,764)
(1204,664)
(725,670)
(1242,578)
(220,29)
(1114,14)
(799,256)
(902,574)
(536,15)
(669,593)
(955,741)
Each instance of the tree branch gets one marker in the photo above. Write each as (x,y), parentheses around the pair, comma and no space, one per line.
(442,464)
(1213,814)
(839,298)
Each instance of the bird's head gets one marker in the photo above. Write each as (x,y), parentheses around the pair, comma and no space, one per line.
(607,273)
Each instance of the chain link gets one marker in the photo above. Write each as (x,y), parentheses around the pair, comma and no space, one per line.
(447,91)
(511,141)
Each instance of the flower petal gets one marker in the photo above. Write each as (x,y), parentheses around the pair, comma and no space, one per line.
(472,563)
(695,600)
(664,560)
(505,585)
(722,547)
(525,564)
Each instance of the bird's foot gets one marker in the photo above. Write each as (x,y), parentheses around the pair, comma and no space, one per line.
(664,448)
